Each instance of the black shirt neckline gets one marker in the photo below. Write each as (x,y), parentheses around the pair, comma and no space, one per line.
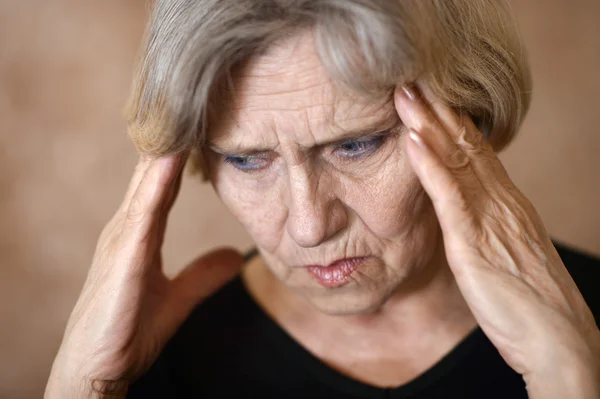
(289,348)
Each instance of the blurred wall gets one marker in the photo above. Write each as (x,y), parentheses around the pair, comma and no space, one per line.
(65,160)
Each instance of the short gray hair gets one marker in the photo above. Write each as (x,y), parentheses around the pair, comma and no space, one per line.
(468,51)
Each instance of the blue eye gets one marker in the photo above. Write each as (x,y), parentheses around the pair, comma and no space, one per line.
(360,148)
(246,163)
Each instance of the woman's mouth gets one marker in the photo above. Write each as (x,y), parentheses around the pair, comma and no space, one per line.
(337,273)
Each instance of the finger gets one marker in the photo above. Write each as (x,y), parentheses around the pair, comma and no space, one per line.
(450,120)
(167,205)
(416,115)
(138,173)
(468,138)
(147,207)
(114,226)
(449,195)
(199,280)
(174,189)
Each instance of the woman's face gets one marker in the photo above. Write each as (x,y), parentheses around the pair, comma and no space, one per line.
(319,178)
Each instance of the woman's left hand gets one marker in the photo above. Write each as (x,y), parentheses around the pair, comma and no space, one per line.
(504,262)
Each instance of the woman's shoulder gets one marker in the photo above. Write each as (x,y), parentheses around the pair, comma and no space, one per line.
(215,336)
(585,270)
(231,308)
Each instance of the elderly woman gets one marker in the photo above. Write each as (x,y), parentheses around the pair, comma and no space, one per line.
(356,142)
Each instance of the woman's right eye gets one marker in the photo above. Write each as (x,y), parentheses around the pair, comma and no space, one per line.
(247,163)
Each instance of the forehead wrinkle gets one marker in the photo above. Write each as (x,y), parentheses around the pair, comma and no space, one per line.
(320,121)
(306,129)
(265,77)
(294,80)
(371,124)
(239,137)
(294,98)
(383,117)
(250,99)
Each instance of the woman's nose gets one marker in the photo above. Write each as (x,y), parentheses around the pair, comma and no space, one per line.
(315,212)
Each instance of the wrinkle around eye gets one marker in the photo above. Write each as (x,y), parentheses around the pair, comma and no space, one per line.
(368,165)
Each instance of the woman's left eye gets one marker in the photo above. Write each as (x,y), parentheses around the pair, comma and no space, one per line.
(359,148)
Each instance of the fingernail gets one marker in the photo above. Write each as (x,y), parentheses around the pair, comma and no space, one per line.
(414,136)
(410,93)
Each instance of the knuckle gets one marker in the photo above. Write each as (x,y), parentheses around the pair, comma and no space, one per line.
(456,160)
(470,139)
(136,211)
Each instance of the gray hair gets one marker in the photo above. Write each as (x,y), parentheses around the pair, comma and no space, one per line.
(468,51)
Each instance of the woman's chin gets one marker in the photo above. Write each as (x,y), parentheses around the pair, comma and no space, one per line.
(348,304)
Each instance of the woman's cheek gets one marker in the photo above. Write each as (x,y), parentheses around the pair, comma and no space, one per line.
(258,209)
(389,202)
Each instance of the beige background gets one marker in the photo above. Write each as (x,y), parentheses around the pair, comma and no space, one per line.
(65,68)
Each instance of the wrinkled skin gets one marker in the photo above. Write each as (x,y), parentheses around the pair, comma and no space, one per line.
(434,177)
(128,308)
(502,257)
(304,199)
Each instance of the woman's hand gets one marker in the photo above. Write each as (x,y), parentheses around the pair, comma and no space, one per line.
(504,262)
(128,308)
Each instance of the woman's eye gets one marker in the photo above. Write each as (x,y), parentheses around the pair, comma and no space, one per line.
(359,148)
(247,163)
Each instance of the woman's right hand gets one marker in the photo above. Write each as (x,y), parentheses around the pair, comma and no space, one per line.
(128,309)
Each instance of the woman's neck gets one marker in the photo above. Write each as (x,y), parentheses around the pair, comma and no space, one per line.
(417,326)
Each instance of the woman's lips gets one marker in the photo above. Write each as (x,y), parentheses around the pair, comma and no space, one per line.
(337,273)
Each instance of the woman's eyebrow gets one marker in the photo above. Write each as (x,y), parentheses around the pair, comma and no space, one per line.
(379,126)
(237,149)
(388,123)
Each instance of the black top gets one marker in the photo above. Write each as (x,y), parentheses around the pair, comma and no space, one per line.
(230,348)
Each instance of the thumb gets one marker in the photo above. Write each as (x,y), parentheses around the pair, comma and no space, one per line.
(196,282)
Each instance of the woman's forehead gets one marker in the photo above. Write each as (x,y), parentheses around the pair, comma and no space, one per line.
(288,88)
(267,120)
(289,76)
